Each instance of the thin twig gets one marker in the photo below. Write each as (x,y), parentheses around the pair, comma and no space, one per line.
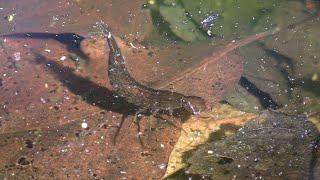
(229,48)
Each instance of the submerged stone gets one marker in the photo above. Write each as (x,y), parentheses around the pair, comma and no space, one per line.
(273,145)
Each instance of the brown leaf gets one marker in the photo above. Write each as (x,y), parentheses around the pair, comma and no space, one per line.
(197,131)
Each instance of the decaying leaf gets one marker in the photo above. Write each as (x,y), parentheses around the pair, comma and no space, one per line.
(196,131)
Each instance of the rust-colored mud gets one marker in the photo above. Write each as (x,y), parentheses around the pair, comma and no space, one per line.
(52,86)
(45,96)
(44,102)
(76,16)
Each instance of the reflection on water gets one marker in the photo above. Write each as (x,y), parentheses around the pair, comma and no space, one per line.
(253,55)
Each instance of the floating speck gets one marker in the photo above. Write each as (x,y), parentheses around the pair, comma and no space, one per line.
(209,32)
(133,46)
(162,166)
(17,56)
(62,58)
(314,77)
(55,18)
(43,100)
(84,125)
(152,2)
(47,50)
(11,17)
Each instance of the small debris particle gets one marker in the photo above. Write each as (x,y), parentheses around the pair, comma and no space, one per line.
(43,100)
(133,46)
(46,85)
(29,143)
(209,32)
(144,5)
(17,56)
(84,125)
(210,152)
(162,145)
(47,50)
(62,58)
(55,18)
(150,54)
(123,172)
(152,2)
(64,150)
(162,166)
(23,161)
(314,77)
(11,17)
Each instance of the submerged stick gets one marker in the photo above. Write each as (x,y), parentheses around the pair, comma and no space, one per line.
(229,48)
